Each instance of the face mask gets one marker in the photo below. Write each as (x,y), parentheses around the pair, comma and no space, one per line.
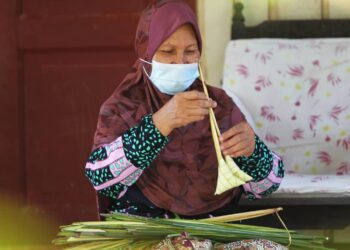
(172,78)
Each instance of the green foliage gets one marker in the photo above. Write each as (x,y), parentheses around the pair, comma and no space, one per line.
(121,231)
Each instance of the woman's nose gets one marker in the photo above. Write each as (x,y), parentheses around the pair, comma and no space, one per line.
(181,58)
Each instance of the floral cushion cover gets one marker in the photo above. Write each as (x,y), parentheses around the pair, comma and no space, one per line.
(296,94)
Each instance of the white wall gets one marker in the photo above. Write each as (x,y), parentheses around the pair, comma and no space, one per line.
(215,22)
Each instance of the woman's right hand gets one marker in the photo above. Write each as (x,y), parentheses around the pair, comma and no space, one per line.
(181,110)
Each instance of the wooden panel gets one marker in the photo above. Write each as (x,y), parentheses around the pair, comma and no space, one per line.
(77,32)
(11,171)
(299,9)
(65,24)
(74,7)
(68,7)
(339,9)
(72,60)
(293,29)
(75,53)
(63,94)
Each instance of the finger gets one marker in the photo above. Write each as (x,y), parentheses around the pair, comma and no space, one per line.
(242,127)
(193,95)
(247,151)
(237,129)
(195,112)
(201,103)
(240,153)
(236,139)
(237,147)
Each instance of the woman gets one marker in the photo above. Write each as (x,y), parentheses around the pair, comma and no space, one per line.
(153,153)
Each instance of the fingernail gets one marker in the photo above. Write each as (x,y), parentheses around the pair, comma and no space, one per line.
(215,104)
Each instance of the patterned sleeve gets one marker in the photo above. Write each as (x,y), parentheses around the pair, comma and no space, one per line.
(113,167)
(266,168)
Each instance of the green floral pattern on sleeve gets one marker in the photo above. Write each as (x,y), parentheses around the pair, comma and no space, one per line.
(259,164)
(143,143)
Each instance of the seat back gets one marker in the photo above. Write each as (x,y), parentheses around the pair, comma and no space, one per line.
(298,94)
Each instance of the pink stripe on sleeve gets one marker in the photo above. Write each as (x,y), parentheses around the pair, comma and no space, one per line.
(122,193)
(115,155)
(130,170)
(259,187)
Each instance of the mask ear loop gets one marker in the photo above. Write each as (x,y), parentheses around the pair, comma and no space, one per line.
(142,60)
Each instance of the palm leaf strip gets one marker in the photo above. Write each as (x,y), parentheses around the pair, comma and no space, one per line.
(121,231)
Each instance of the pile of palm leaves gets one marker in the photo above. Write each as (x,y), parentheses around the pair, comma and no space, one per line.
(121,231)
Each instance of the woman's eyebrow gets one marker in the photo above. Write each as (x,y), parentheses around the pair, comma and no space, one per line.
(166,47)
(173,45)
(167,44)
(193,44)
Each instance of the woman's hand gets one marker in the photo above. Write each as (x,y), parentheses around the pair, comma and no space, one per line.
(238,140)
(181,110)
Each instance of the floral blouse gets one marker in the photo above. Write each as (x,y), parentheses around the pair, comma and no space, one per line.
(115,167)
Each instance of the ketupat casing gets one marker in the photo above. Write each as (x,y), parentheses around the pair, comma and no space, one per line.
(229,174)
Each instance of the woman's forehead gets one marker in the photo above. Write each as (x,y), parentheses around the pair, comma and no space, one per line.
(184,35)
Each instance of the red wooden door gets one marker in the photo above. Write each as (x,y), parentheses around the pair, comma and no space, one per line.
(65,58)
(73,54)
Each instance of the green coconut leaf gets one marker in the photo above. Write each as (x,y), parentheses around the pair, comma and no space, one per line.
(121,231)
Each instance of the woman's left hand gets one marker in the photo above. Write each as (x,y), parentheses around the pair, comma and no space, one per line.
(238,140)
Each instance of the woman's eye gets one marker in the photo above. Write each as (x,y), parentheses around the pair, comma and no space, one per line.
(167,51)
(191,51)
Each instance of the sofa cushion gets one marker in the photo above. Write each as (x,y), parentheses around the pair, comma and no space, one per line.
(298,95)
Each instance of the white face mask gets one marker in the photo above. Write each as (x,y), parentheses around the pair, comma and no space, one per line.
(172,78)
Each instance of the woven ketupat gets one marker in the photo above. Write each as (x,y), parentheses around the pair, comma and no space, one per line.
(229,174)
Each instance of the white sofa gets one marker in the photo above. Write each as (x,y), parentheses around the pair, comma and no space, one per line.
(296,95)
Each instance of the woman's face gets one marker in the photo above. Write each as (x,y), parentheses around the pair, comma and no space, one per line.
(180,48)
